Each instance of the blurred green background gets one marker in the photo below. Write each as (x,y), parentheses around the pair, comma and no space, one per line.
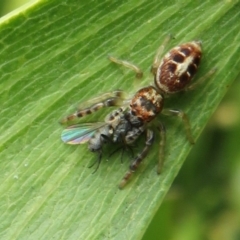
(204,201)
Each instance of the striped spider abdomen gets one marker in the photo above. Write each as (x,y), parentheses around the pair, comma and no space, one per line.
(178,67)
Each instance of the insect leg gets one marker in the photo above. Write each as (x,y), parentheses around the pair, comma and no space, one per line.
(127,64)
(98,161)
(96,143)
(201,80)
(183,116)
(162,131)
(111,99)
(138,159)
(157,58)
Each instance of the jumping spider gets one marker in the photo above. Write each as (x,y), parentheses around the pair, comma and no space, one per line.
(172,74)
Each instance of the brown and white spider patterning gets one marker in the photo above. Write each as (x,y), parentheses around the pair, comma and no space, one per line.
(173,73)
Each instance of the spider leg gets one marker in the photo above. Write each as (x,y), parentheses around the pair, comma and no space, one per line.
(139,158)
(201,80)
(114,98)
(183,116)
(136,69)
(162,131)
(159,53)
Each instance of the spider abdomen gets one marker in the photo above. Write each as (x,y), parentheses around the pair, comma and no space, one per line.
(178,67)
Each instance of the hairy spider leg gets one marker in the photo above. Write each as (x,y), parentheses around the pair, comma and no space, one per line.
(158,57)
(201,80)
(136,69)
(114,98)
(162,143)
(183,116)
(131,66)
(139,158)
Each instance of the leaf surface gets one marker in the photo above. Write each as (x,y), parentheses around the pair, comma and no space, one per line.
(53,56)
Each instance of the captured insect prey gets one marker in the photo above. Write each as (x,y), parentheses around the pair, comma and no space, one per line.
(132,117)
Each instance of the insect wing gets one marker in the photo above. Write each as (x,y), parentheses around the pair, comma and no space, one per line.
(80,133)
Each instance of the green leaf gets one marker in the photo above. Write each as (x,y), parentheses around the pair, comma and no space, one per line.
(54,55)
